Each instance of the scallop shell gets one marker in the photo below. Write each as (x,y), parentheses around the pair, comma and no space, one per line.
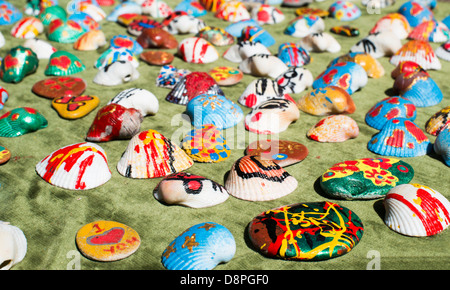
(190,190)
(320,42)
(420,52)
(330,100)
(272,117)
(114,122)
(142,100)
(442,144)
(303,25)
(64,31)
(232,11)
(20,121)
(253,178)
(419,88)
(432,31)
(27,27)
(197,50)
(18,63)
(400,137)
(334,128)
(243,50)
(263,65)
(388,108)
(86,22)
(201,247)
(378,45)
(63,63)
(91,40)
(415,13)
(259,91)
(79,166)
(206,144)
(438,121)
(13,245)
(407,67)
(371,65)
(41,48)
(293,54)
(394,22)
(344,10)
(416,210)
(149,154)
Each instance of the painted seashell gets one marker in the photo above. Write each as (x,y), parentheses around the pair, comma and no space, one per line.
(348,75)
(389,108)
(169,76)
(329,100)
(432,31)
(149,155)
(91,40)
(4,95)
(125,41)
(272,116)
(344,10)
(21,121)
(415,13)
(378,45)
(419,52)
(366,178)
(116,73)
(243,50)
(442,144)
(211,5)
(393,22)
(277,233)
(190,190)
(17,64)
(51,13)
(86,22)
(371,65)
(27,27)
(282,152)
(185,24)
(263,65)
(257,34)
(140,23)
(267,14)
(156,8)
(443,51)
(124,8)
(140,99)
(193,8)
(192,85)
(216,36)
(95,11)
(80,166)
(9,14)
(64,31)
(303,25)
(438,121)
(261,90)
(345,30)
(232,11)
(400,137)
(156,37)
(114,122)
(419,88)
(214,109)
(320,42)
(255,179)
(295,80)
(292,54)
(63,63)
(236,28)
(197,50)
(112,55)
(312,11)
(13,244)
(206,144)
(41,48)
(334,128)
(225,75)
(201,247)
(416,210)
(407,67)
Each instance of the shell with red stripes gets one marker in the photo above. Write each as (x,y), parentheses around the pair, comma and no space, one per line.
(334,128)
(27,28)
(418,51)
(79,166)
(255,178)
(197,50)
(190,190)
(416,210)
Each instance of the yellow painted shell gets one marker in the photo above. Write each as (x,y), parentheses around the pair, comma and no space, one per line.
(334,128)
(328,100)
(438,121)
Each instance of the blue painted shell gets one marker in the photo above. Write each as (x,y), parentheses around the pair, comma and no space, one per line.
(84,20)
(9,13)
(344,10)
(400,137)
(125,41)
(200,247)
(257,34)
(442,144)
(415,13)
(116,54)
(293,55)
(124,8)
(236,28)
(193,8)
(389,108)
(348,75)
(304,25)
(213,109)
(419,88)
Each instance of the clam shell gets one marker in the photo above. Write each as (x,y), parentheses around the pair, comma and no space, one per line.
(190,190)
(20,121)
(320,42)
(243,50)
(263,65)
(79,166)
(293,54)
(420,52)
(330,100)
(201,247)
(114,122)
(432,31)
(303,25)
(438,121)
(295,80)
(259,91)
(216,36)
(257,34)
(91,40)
(63,63)
(344,10)
(407,67)
(156,9)
(169,76)
(334,128)
(64,31)
(371,65)
(149,154)
(232,11)
(236,28)
(267,14)
(443,51)
(253,178)
(197,50)
(272,116)
(140,99)
(27,28)
(442,144)
(419,88)
(184,24)
(116,73)
(400,137)
(388,108)
(17,64)
(378,45)
(41,48)
(394,22)
(416,210)
(415,13)
(112,55)
(13,245)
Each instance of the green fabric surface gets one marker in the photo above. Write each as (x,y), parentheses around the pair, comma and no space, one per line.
(50,216)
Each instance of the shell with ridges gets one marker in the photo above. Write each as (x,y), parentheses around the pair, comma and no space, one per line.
(419,52)
(442,144)
(328,100)
(334,128)
(388,108)
(13,245)
(438,121)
